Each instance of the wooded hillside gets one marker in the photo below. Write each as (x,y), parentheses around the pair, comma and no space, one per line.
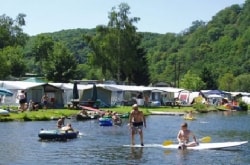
(207,55)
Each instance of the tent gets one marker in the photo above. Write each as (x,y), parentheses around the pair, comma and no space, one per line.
(210,92)
(214,96)
(104,95)
(113,94)
(34,91)
(67,89)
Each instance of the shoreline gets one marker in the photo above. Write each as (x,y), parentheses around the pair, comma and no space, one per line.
(53,114)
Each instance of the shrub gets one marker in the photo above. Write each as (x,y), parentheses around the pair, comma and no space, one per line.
(200,106)
(243,106)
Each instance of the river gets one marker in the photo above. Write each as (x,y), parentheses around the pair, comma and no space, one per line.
(20,144)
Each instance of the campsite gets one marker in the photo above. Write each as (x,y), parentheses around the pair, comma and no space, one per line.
(119,98)
(110,95)
(93,138)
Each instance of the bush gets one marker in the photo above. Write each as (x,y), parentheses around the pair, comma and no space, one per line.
(243,106)
(200,106)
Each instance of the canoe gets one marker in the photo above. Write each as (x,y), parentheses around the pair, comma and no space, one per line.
(57,134)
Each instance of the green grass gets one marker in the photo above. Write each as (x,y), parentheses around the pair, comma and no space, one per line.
(43,115)
(146,110)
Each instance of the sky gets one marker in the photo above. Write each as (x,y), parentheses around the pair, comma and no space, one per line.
(156,16)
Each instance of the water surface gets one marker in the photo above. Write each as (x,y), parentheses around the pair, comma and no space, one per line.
(20,144)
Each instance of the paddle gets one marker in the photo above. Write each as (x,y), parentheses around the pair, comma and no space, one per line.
(205,139)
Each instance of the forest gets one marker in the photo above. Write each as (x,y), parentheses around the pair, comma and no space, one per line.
(206,55)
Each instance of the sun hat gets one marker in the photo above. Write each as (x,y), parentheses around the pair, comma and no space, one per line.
(135,106)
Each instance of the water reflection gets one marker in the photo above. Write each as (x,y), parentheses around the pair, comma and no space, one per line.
(100,145)
(167,152)
(227,113)
(136,153)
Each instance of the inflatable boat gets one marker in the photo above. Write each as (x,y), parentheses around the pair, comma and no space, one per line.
(57,134)
(105,121)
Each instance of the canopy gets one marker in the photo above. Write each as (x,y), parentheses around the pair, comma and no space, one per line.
(210,92)
(214,96)
(5,92)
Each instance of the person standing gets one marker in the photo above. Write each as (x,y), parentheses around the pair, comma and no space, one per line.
(45,100)
(22,100)
(136,121)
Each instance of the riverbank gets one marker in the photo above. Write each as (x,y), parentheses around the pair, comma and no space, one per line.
(53,114)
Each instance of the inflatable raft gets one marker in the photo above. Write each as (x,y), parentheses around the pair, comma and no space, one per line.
(105,121)
(57,134)
(189,118)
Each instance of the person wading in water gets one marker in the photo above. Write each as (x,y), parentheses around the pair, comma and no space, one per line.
(136,121)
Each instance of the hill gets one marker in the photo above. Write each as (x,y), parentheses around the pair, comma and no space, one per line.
(210,50)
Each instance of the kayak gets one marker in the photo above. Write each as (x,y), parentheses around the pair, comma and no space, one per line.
(201,146)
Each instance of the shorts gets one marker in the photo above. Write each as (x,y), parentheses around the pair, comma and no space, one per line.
(184,142)
(45,102)
(137,126)
(22,101)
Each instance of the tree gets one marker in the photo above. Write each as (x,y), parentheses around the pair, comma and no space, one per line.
(116,47)
(42,49)
(11,33)
(241,83)
(195,25)
(61,65)
(15,60)
(226,82)
(4,65)
(208,78)
(12,39)
(192,82)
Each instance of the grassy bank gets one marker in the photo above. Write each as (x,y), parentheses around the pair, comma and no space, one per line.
(40,115)
(43,115)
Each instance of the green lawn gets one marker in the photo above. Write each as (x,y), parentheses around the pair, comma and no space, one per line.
(146,110)
(43,115)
